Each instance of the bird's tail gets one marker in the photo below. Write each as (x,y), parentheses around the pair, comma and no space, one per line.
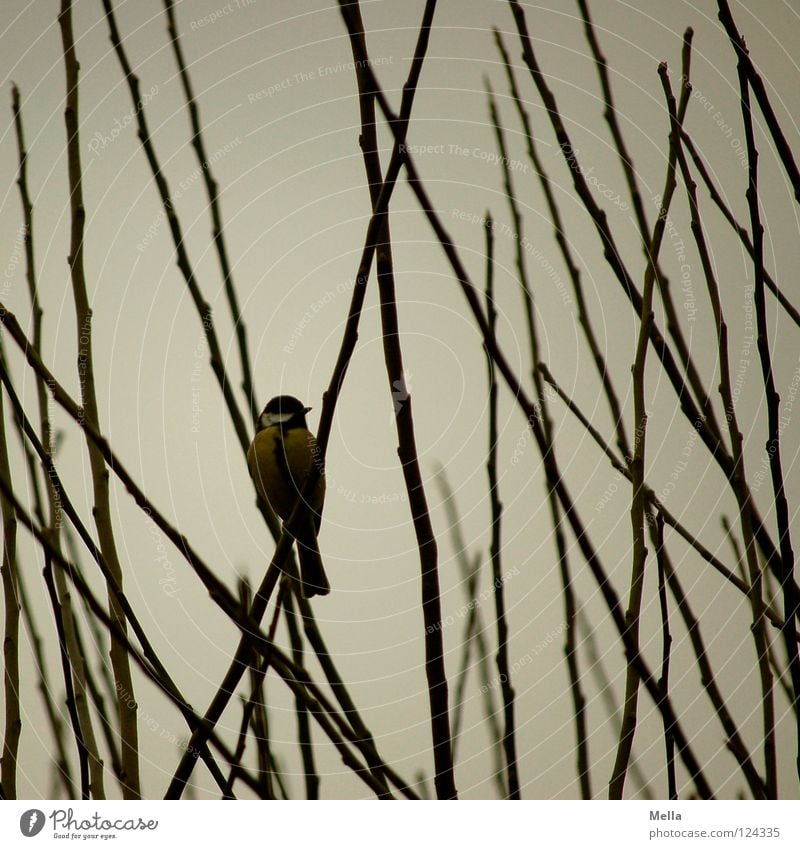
(313,579)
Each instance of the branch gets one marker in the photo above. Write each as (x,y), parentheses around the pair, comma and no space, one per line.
(560,234)
(734,741)
(748,73)
(126,705)
(114,589)
(740,231)
(579,702)
(12,728)
(72,660)
(606,689)
(310,773)
(656,503)
(509,740)
(637,464)
(407,450)
(656,524)
(297,679)
(530,411)
(475,632)
(212,192)
(791,596)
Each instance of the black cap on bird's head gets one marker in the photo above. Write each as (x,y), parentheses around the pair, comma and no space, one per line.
(283,411)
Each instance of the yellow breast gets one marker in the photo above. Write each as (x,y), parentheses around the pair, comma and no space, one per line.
(279,463)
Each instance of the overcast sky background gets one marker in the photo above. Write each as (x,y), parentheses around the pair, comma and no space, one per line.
(276,90)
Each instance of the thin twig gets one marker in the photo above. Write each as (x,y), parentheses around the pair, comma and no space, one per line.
(108,728)
(791,597)
(578,700)
(45,685)
(65,504)
(259,721)
(610,114)
(749,73)
(530,411)
(584,319)
(407,450)
(637,464)
(656,503)
(257,676)
(90,766)
(476,631)
(260,727)
(779,667)
(30,274)
(506,688)
(212,191)
(126,704)
(656,524)
(738,481)
(470,582)
(12,727)
(740,231)
(606,690)
(310,773)
(59,593)
(734,739)
(297,679)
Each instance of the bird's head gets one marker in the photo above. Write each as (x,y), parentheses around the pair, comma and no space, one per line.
(283,411)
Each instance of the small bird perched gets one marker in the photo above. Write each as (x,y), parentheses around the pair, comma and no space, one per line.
(280,457)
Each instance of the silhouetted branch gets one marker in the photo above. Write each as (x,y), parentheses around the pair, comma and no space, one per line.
(310,773)
(30,274)
(656,525)
(551,467)
(257,676)
(579,702)
(470,582)
(12,726)
(475,633)
(115,591)
(637,463)
(734,740)
(509,741)
(126,705)
(791,597)
(748,72)
(597,670)
(182,258)
(72,661)
(562,241)
(212,191)
(740,231)
(407,450)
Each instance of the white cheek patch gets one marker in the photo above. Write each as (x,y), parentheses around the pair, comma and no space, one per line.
(271,419)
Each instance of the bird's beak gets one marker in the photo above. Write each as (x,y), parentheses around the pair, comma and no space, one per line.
(307,409)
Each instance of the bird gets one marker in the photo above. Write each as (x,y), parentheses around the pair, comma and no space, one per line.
(280,458)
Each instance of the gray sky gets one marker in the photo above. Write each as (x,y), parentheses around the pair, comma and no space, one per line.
(276,90)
